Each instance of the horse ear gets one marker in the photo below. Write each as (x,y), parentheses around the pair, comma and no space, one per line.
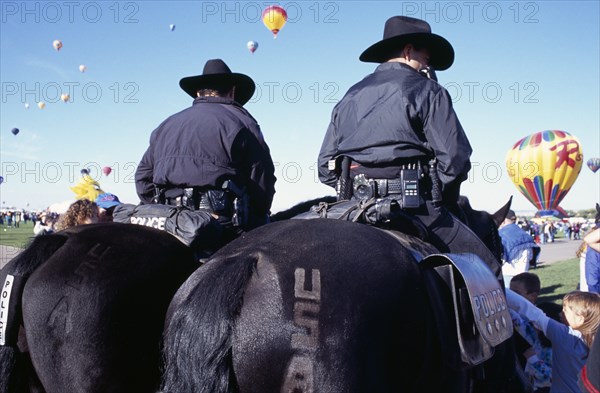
(500,215)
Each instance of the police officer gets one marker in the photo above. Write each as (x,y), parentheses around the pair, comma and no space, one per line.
(399,117)
(212,154)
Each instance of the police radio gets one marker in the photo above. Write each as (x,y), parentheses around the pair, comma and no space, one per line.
(409,179)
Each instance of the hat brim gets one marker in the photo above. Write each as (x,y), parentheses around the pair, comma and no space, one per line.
(440,50)
(244,85)
(108,205)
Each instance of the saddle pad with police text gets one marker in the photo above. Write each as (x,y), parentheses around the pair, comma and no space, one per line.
(194,228)
(486,297)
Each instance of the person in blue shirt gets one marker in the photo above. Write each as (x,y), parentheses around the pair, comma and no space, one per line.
(520,250)
(570,341)
(592,256)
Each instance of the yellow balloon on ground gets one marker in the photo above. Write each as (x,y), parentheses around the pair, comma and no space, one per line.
(543,166)
(274,17)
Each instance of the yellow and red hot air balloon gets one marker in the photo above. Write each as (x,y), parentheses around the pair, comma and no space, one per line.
(543,166)
(274,17)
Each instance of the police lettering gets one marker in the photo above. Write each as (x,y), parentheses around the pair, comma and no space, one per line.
(489,304)
(4,304)
(153,222)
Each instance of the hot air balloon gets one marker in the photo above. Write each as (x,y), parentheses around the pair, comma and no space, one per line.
(274,17)
(171,27)
(594,164)
(65,97)
(82,68)
(26,105)
(252,46)
(41,105)
(15,131)
(1,179)
(57,45)
(543,166)
(106,170)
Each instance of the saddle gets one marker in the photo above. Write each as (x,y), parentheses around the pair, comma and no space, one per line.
(194,228)
(379,212)
(465,296)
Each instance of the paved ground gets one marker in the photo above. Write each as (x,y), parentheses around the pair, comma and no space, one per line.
(560,250)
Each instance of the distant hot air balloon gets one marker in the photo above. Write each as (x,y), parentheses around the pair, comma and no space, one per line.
(106,170)
(82,68)
(594,164)
(26,105)
(65,97)
(15,131)
(274,17)
(543,166)
(1,179)
(57,44)
(41,105)
(171,27)
(252,46)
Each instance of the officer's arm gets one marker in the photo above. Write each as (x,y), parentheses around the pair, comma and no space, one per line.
(448,141)
(328,152)
(257,164)
(144,176)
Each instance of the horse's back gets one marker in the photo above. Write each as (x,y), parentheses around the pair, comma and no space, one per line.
(94,311)
(316,305)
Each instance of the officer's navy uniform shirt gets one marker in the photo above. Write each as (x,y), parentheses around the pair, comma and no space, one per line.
(214,140)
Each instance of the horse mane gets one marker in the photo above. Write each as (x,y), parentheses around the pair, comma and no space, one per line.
(301,207)
(22,266)
(485,225)
(198,340)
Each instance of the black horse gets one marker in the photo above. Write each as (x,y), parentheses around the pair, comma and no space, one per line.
(320,306)
(90,303)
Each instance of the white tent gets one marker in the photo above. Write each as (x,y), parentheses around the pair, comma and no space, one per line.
(60,207)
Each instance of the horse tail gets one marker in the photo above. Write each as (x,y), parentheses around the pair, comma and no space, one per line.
(13,278)
(197,339)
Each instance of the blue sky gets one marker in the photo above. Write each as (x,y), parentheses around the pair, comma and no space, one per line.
(520,67)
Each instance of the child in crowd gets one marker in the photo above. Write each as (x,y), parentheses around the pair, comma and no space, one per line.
(106,205)
(529,342)
(570,342)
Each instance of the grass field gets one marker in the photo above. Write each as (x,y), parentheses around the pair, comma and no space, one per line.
(16,237)
(557,278)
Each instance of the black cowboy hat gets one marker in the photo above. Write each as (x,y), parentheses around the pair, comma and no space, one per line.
(217,75)
(402,30)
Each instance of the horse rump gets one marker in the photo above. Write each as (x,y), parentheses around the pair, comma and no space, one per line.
(13,276)
(93,313)
(315,305)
